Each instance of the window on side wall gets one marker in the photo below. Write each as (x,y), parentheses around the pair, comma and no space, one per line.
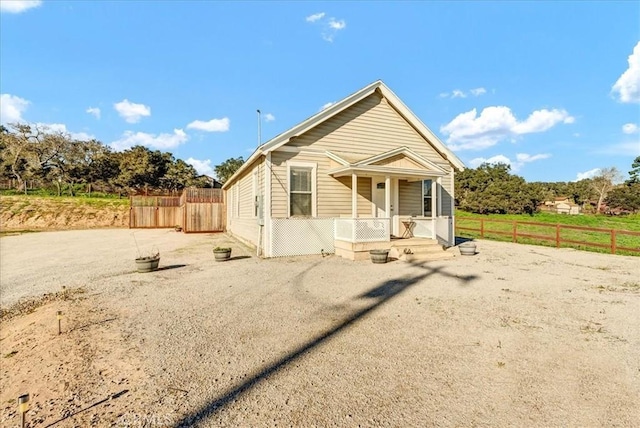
(254,196)
(302,183)
(426,198)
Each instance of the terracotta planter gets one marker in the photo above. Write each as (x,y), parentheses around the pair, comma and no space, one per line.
(222,255)
(147,264)
(379,256)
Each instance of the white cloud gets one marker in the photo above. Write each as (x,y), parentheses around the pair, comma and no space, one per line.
(630,128)
(587,174)
(160,141)
(11,108)
(468,131)
(337,25)
(315,17)
(459,93)
(18,6)
(132,112)
(628,84)
(269,117)
(214,125)
(202,166)
(327,105)
(330,26)
(521,159)
(95,111)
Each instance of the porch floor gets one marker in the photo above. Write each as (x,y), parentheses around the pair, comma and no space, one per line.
(407,249)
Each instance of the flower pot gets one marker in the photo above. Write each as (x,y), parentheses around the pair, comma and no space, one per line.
(147,264)
(467,248)
(379,256)
(222,255)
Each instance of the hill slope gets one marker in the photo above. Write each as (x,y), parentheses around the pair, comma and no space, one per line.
(53,213)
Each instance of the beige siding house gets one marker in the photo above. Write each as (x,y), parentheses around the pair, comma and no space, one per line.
(361,171)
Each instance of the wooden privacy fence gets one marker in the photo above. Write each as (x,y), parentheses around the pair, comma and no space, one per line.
(611,239)
(197,210)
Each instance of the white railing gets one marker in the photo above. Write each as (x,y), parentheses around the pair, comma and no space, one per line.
(362,229)
(444,230)
(424,228)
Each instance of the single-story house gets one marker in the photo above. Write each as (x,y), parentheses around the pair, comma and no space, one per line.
(363,170)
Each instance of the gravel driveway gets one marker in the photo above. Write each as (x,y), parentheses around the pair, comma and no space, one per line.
(516,335)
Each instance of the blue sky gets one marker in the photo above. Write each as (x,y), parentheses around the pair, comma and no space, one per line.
(553,88)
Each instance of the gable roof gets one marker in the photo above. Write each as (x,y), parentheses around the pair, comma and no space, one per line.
(323,115)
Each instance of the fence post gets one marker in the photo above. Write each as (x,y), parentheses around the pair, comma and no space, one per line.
(482,228)
(557,236)
(613,241)
(515,231)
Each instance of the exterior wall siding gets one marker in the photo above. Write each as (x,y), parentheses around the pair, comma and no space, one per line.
(410,197)
(245,224)
(333,196)
(370,127)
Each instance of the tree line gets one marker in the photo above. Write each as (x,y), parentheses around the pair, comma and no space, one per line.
(57,161)
(493,189)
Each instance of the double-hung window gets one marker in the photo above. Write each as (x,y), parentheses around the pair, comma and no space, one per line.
(426,198)
(302,183)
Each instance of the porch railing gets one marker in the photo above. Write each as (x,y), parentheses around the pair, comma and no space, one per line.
(362,229)
(424,228)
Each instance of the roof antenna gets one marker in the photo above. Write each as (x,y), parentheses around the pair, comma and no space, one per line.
(259,130)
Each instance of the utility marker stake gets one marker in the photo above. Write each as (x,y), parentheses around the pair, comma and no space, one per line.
(59,316)
(23,406)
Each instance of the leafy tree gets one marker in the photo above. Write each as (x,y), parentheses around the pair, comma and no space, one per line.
(625,196)
(634,174)
(179,175)
(603,183)
(227,168)
(140,168)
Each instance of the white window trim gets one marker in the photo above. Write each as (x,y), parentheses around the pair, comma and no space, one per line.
(314,187)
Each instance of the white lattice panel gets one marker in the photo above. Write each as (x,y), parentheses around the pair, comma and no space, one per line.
(301,236)
(423,228)
(344,229)
(372,230)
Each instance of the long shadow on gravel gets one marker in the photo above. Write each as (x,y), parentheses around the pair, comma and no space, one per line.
(380,295)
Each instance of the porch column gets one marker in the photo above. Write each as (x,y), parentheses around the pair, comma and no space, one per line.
(387,196)
(434,203)
(354,195)
(439,197)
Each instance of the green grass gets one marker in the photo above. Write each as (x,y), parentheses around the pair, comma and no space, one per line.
(503,230)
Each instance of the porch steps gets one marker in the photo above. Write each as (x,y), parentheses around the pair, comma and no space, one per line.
(418,250)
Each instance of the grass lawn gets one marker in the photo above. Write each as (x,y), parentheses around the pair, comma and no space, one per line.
(500,227)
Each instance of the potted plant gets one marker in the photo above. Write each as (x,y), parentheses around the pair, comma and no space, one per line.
(222,253)
(379,256)
(148,263)
(467,248)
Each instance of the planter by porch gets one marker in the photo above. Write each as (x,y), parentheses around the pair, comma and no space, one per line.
(379,256)
(221,254)
(467,248)
(147,264)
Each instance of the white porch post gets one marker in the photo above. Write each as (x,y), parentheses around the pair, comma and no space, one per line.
(354,195)
(434,203)
(439,197)
(387,196)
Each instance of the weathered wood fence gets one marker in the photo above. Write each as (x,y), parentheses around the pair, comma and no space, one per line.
(196,210)
(612,239)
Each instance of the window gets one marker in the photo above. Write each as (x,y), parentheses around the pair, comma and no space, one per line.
(302,183)
(426,198)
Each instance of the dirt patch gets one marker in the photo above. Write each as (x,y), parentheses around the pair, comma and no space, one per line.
(36,213)
(514,336)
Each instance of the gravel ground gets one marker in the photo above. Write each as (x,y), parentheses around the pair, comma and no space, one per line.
(516,335)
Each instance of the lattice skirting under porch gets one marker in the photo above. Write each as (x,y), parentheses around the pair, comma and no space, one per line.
(301,236)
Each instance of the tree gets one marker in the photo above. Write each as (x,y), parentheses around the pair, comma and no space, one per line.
(227,168)
(625,197)
(141,168)
(634,174)
(603,183)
